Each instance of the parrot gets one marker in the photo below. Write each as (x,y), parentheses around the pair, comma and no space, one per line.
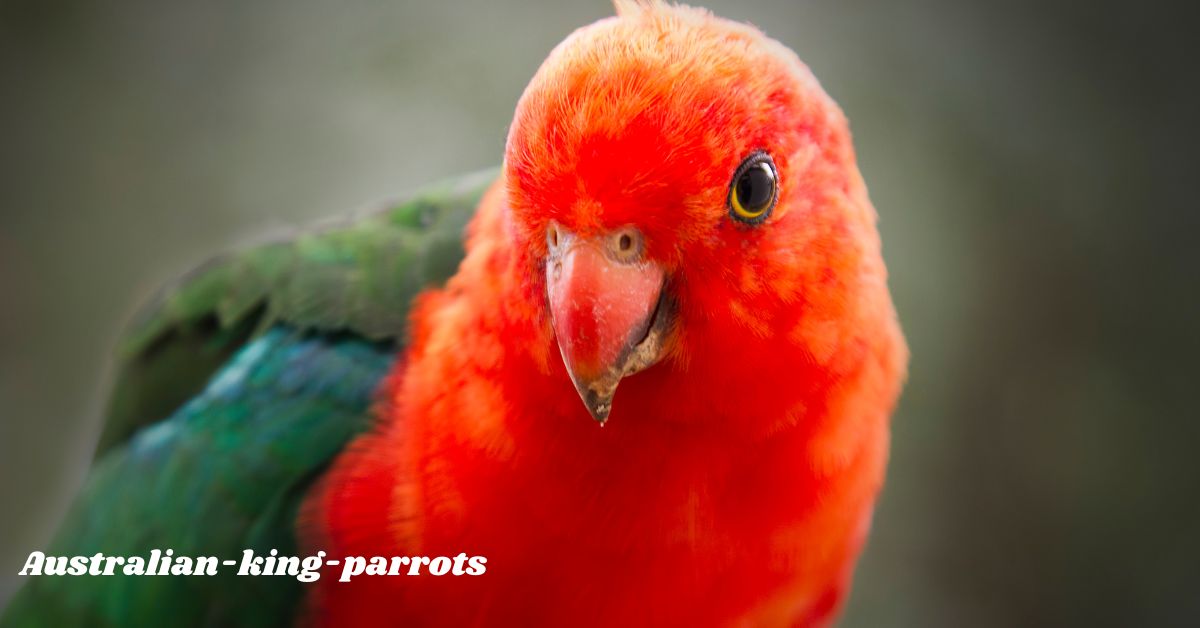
(642,373)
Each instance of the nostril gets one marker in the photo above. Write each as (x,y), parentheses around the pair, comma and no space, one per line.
(626,245)
(552,236)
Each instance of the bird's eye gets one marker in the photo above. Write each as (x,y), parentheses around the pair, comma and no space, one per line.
(753,191)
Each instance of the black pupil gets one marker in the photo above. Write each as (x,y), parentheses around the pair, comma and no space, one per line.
(755,187)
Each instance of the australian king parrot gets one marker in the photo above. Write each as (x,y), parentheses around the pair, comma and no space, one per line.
(651,386)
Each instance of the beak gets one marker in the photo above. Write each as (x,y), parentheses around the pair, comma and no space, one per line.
(608,310)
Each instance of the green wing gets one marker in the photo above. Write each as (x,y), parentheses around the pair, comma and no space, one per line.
(358,276)
(235,390)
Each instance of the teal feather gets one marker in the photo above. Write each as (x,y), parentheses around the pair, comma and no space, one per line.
(222,474)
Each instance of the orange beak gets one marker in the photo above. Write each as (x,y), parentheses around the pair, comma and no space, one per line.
(606,306)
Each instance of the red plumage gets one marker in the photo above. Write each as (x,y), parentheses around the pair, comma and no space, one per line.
(734,480)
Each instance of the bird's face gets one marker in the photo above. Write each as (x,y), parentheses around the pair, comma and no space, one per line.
(665,171)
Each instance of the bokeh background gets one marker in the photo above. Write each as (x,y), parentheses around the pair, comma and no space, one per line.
(1032,163)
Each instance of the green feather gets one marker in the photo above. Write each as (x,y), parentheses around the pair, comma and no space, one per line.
(235,391)
(359,275)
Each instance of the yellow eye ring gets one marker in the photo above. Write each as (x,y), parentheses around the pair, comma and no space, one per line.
(754,189)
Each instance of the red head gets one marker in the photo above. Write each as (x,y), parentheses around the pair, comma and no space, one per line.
(689,196)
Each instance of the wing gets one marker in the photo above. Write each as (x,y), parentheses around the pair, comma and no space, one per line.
(234,391)
(357,276)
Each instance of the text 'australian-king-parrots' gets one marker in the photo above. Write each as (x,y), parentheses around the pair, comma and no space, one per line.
(654,391)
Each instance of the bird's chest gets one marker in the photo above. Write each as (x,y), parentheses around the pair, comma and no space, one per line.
(663,539)
(653,541)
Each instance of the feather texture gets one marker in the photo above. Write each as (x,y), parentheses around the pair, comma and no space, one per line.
(235,390)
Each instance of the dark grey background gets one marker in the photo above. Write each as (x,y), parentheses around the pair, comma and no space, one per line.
(1032,166)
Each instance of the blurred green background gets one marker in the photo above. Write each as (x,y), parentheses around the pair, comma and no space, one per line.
(1031,163)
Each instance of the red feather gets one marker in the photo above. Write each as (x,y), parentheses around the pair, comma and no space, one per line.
(734,481)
